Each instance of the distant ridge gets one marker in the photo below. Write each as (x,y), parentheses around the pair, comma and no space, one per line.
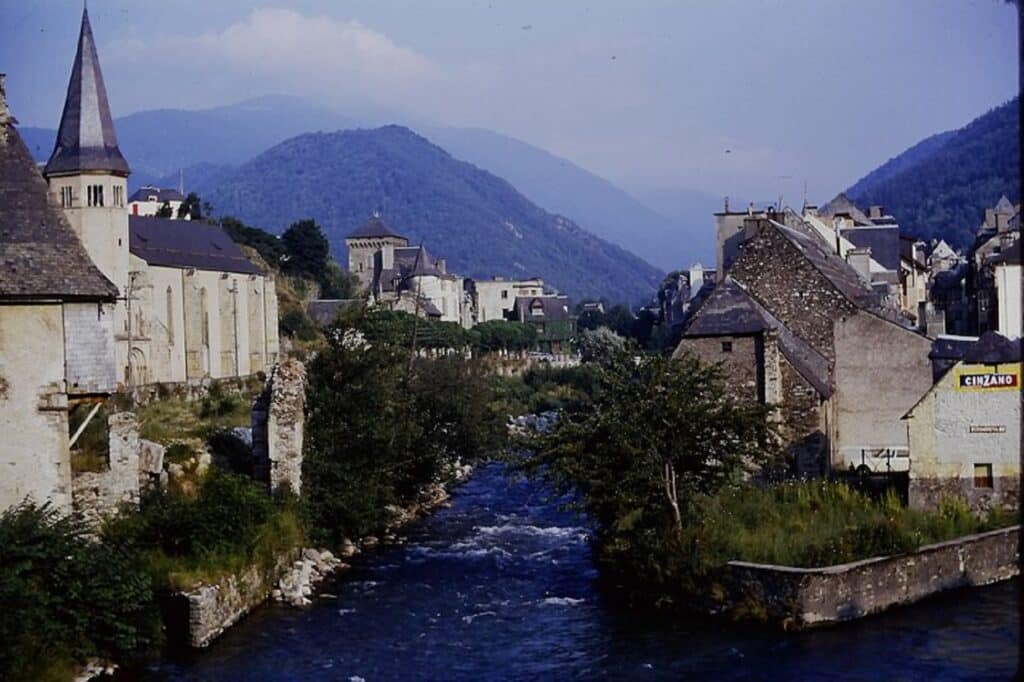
(478,221)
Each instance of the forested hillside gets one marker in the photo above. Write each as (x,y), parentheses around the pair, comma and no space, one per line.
(941,187)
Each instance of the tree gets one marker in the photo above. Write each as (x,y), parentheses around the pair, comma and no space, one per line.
(165,211)
(190,207)
(659,432)
(600,345)
(307,249)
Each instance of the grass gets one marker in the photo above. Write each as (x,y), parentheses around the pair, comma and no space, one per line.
(820,523)
(278,535)
(175,420)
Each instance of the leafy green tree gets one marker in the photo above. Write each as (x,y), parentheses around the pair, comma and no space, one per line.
(307,249)
(191,207)
(658,433)
(269,247)
(165,211)
(600,345)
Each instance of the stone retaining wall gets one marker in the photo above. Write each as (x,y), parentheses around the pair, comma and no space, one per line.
(211,609)
(803,597)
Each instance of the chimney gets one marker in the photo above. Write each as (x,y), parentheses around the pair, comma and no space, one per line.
(990,217)
(860,260)
(750,208)
(811,210)
(442,265)
(876,211)
(1002,222)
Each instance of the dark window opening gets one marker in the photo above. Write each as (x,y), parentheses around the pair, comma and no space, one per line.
(726,346)
(982,475)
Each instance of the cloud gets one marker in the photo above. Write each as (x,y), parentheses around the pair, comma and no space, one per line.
(280,50)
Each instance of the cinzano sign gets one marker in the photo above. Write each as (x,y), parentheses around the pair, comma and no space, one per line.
(999,378)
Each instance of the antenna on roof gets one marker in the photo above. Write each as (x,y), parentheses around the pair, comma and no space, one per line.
(181,181)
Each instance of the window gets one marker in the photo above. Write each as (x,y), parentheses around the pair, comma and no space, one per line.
(982,475)
(65,197)
(95,195)
(118,195)
(504,293)
(726,346)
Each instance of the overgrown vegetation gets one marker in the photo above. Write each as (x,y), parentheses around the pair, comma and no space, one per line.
(382,423)
(66,598)
(679,479)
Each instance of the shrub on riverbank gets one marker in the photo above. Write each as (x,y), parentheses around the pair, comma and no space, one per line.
(65,598)
(382,424)
(229,524)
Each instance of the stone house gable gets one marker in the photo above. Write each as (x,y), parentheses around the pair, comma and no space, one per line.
(777,269)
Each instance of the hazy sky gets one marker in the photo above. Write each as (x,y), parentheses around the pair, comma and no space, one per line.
(644,92)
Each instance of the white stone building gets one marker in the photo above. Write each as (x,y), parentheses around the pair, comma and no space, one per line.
(495,299)
(148,200)
(190,304)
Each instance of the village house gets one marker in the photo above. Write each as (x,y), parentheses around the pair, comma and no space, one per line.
(495,299)
(149,200)
(964,431)
(550,315)
(190,304)
(798,326)
(56,330)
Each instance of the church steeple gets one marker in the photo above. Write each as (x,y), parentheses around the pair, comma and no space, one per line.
(86,139)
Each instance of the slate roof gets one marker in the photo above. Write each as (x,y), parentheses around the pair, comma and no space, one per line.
(842,204)
(324,311)
(907,251)
(40,256)
(186,244)
(993,348)
(86,139)
(947,347)
(374,227)
(555,308)
(1004,205)
(884,242)
(162,195)
(730,310)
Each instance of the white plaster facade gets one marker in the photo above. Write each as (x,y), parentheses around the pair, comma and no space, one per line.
(1008,294)
(496,298)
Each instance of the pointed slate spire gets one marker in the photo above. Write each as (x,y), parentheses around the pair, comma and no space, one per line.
(86,139)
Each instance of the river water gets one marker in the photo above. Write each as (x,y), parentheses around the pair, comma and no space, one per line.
(500,586)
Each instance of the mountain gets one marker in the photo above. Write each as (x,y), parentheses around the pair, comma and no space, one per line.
(941,187)
(479,222)
(208,143)
(692,213)
(563,187)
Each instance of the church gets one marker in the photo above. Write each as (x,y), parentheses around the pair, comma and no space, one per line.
(190,305)
(94,301)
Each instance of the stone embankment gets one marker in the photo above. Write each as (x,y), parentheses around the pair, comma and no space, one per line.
(805,597)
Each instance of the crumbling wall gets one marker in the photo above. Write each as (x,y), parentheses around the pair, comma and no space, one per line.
(278,421)
(99,494)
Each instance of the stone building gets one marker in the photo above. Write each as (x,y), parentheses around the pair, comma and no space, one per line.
(56,329)
(189,305)
(495,299)
(551,317)
(965,429)
(403,277)
(788,282)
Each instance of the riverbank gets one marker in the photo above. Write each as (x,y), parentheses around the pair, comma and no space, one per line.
(502,585)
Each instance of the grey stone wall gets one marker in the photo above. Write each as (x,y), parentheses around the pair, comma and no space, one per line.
(99,494)
(212,609)
(789,286)
(278,421)
(739,365)
(928,492)
(805,597)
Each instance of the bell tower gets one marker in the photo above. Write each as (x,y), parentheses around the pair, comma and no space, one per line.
(87,176)
(86,171)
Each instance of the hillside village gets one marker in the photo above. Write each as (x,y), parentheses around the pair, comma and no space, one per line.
(882,357)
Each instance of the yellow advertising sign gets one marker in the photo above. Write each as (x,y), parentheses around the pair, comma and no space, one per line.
(973,378)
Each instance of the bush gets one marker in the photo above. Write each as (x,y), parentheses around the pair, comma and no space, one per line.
(66,598)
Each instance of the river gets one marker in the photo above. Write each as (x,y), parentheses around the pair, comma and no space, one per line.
(500,586)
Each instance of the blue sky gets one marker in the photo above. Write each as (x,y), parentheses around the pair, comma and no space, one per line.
(648,93)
